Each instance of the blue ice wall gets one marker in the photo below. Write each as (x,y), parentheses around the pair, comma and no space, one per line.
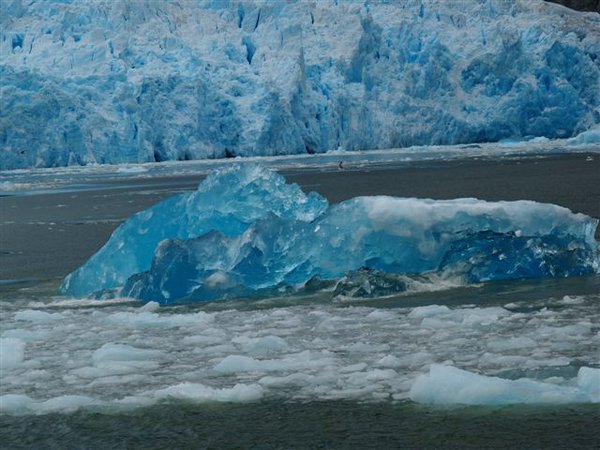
(245,231)
(136,81)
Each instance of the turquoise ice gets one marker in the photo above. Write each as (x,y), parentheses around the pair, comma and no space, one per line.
(228,201)
(448,385)
(245,232)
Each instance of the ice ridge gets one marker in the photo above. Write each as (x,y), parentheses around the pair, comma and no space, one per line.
(245,231)
(136,81)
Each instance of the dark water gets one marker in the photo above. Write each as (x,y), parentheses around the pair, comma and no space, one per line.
(44,236)
(312,425)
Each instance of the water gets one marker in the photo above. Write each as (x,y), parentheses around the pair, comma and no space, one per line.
(313,425)
(296,372)
(98,176)
(310,370)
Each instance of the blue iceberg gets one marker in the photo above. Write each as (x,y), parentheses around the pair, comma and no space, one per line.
(228,201)
(112,82)
(245,232)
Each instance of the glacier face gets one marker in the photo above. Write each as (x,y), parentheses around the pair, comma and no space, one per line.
(136,81)
(245,231)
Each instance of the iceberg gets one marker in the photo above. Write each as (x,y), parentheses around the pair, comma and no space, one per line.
(246,232)
(136,81)
(229,201)
(445,385)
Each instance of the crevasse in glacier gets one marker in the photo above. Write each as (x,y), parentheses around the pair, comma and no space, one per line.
(135,81)
(245,231)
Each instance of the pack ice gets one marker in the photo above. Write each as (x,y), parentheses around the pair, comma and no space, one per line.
(140,80)
(245,231)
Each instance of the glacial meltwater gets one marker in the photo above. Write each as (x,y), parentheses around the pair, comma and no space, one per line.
(358,358)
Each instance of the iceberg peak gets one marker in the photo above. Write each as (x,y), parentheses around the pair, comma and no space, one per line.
(228,200)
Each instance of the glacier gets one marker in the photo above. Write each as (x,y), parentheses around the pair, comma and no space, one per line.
(109,82)
(246,232)
(591,136)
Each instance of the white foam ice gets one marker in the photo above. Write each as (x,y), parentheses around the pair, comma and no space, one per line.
(121,352)
(198,392)
(450,385)
(22,404)
(16,404)
(262,346)
(305,360)
(145,318)
(32,315)
(11,353)
(122,355)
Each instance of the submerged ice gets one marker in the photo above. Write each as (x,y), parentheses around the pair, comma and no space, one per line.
(136,81)
(245,231)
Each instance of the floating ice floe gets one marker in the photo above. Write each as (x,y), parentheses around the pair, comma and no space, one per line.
(450,385)
(104,359)
(245,231)
(18,404)
(11,353)
(228,201)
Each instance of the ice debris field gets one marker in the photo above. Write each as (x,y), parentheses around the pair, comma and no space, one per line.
(245,231)
(138,81)
(61,355)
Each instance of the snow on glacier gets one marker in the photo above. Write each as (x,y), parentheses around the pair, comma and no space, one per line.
(137,81)
(246,231)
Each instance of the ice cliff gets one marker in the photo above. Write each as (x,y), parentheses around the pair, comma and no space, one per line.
(245,231)
(136,81)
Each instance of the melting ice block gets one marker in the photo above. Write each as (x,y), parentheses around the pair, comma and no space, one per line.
(450,385)
(246,231)
(228,201)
